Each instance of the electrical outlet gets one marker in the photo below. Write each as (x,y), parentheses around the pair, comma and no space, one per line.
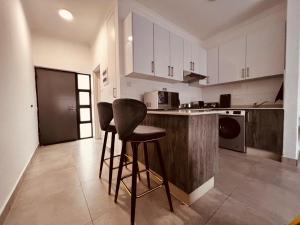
(164,89)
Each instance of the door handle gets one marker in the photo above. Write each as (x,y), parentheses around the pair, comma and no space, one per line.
(152,66)
(248,72)
(191,66)
(243,73)
(71,108)
(169,71)
(172,71)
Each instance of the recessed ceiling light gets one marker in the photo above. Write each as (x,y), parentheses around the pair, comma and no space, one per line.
(66,14)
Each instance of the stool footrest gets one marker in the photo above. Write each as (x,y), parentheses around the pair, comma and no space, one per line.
(125,164)
(146,192)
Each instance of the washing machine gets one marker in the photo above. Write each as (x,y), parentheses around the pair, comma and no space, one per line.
(232,130)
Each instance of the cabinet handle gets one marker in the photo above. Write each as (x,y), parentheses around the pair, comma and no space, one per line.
(172,71)
(243,73)
(248,72)
(169,71)
(152,66)
(191,66)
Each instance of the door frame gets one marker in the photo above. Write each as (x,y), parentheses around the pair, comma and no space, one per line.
(77,101)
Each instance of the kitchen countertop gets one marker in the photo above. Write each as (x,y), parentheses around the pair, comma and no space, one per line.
(185,112)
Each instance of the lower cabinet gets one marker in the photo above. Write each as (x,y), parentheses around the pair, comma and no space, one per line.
(264,129)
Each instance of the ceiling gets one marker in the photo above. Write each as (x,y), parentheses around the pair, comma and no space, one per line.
(43,18)
(204,18)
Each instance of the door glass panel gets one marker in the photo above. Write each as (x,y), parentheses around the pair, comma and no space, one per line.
(85,114)
(85,130)
(83,82)
(84,98)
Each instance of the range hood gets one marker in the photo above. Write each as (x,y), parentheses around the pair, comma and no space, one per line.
(191,77)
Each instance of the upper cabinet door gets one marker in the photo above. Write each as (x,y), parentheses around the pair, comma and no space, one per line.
(266,51)
(232,60)
(162,52)
(176,56)
(203,61)
(142,31)
(213,66)
(187,56)
(196,58)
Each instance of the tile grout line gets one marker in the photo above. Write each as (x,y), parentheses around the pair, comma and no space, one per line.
(228,196)
(86,202)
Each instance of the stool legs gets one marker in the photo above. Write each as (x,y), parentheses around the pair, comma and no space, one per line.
(164,175)
(122,159)
(147,163)
(134,177)
(111,161)
(103,153)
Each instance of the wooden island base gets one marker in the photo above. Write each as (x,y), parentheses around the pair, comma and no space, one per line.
(190,152)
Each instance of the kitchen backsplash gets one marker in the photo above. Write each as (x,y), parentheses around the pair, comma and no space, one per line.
(135,88)
(245,93)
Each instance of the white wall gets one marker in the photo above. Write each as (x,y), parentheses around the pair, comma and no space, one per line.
(104,53)
(291,93)
(51,52)
(18,133)
(247,93)
(135,88)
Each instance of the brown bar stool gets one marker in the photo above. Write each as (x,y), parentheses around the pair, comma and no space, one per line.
(128,114)
(105,113)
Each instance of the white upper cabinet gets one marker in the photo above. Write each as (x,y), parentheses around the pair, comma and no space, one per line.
(194,58)
(162,52)
(212,66)
(266,51)
(187,54)
(151,51)
(139,55)
(176,57)
(232,60)
(203,61)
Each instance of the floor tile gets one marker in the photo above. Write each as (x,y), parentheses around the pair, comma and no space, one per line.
(278,203)
(66,207)
(45,185)
(207,205)
(235,213)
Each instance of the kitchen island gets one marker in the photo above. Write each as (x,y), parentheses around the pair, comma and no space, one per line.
(190,150)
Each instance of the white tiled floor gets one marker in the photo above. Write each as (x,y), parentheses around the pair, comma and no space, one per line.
(61,187)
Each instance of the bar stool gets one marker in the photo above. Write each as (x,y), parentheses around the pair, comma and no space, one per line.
(105,113)
(128,114)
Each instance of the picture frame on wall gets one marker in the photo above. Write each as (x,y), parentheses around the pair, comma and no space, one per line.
(105,77)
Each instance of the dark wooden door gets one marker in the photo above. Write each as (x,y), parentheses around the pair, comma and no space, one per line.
(57,106)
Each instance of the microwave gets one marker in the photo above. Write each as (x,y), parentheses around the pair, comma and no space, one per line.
(161,100)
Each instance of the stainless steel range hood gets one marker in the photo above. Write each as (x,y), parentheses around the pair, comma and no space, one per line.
(191,77)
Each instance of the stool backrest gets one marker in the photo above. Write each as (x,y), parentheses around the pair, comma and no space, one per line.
(128,114)
(105,113)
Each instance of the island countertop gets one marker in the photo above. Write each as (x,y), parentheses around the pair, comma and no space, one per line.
(185,112)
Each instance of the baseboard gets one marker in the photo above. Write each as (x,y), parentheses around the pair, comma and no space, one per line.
(12,197)
(289,161)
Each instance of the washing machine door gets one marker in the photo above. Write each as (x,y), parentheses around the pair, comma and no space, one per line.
(229,128)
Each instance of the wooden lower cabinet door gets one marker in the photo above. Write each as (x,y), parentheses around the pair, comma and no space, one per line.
(264,129)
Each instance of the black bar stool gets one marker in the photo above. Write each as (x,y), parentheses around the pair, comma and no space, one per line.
(105,113)
(128,114)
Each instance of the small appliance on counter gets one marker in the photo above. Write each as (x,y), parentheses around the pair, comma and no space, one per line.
(161,100)
(213,105)
(225,101)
